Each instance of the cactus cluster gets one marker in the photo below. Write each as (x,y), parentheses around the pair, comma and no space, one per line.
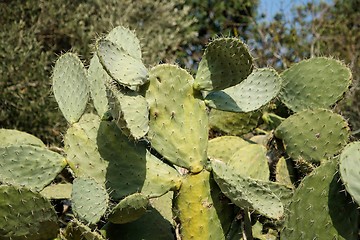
(144,167)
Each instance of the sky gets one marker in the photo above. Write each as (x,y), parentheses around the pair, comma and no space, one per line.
(271,7)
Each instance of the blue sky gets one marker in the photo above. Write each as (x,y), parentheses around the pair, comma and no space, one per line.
(271,7)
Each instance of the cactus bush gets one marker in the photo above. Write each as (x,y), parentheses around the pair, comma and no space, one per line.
(144,167)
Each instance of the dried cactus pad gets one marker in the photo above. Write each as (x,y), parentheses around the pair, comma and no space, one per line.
(315,83)
(259,88)
(225,63)
(178,119)
(350,169)
(70,86)
(313,135)
(320,208)
(26,215)
(120,65)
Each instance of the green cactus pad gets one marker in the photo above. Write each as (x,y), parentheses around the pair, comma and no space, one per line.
(89,199)
(313,135)
(163,205)
(350,169)
(178,119)
(233,123)
(284,172)
(320,208)
(120,65)
(127,40)
(30,166)
(259,88)
(226,62)
(245,192)
(80,145)
(97,79)
(131,113)
(222,148)
(251,161)
(70,86)
(26,215)
(201,209)
(14,137)
(57,191)
(101,151)
(129,209)
(151,226)
(76,230)
(315,83)
(132,168)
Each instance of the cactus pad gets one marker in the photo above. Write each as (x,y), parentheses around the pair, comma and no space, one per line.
(178,119)
(70,86)
(131,113)
(98,77)
(30,166)
(350,170)
(89,199)
(225,63)
(251,161)
(127,40)
(315,83)
(131,167)
(200,209)
(26,215)
(320,208)
(222,148)
(259,88)
(120,65)
(151,226)
(57,191)
(76,230)
(284,172)
(14,137)
(313,135)
(233,123)
(163,205)
(82,150)
(245,192)
(101,151)
(129,209)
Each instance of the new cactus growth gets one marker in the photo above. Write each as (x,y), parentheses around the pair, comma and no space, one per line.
(145,160)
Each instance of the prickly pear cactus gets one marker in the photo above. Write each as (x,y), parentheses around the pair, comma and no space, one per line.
(314,83)
(314,135)
(145,160)
(320,208)
(26,215)
(178,118)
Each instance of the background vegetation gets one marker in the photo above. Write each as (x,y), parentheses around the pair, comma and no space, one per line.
(34,33)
